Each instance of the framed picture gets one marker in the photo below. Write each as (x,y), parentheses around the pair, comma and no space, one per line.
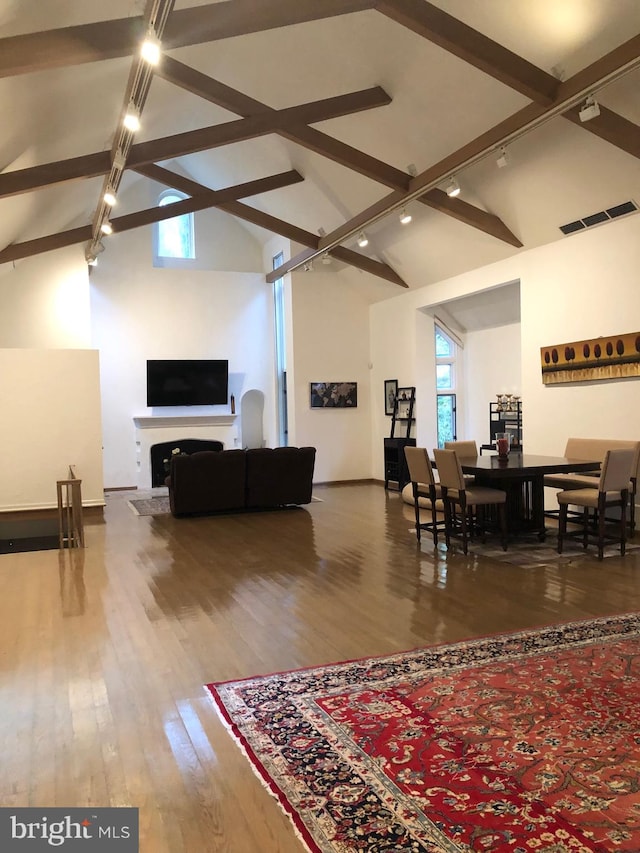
(334,395)
(390,392)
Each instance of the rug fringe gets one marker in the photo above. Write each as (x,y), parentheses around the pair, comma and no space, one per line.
(267,782)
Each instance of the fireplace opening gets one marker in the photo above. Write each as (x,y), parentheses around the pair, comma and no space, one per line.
(162,451)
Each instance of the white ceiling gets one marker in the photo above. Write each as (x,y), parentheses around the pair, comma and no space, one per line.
(557,173)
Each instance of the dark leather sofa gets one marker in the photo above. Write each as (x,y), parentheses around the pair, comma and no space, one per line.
(235,480)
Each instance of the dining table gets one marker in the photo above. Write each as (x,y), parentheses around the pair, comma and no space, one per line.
(521,476)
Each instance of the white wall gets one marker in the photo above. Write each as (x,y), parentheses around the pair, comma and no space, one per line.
(50,420)
(44,301)
(581,287)
(331,344)
(140,312)
(492,365)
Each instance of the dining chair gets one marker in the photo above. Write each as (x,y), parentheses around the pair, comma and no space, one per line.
(464,448)
(424,487)
(456,492)
(612,491)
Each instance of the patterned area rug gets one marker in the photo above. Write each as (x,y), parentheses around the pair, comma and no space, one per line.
(529,553)
(151,506)
(523,742)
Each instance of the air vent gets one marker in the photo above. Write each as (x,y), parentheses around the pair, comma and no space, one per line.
(623,209)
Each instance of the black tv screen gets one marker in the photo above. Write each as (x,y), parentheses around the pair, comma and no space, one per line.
(187,382)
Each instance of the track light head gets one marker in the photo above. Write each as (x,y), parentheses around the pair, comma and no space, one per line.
(363,240)
(326,258)
(132,118)
(308,267)
(405,216)
(503,158)
(453,188)
(109,197)
(150,50)
(106,227)
(590,110)
(119,160)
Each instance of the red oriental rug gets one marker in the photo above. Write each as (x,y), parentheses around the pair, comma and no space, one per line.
(525,742)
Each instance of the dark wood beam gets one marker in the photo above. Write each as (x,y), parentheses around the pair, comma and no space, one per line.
(273,224)
(599,73)
(116,38)
(315,140)
(205,199)
(611,127)
(35,177)
(473,47)
(90,165)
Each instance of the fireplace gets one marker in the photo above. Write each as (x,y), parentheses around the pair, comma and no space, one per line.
(174,431)
(163,450)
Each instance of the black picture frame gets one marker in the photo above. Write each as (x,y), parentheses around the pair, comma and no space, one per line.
(334,395)
(390,394)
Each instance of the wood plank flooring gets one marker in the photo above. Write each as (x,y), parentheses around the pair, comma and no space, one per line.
(105,650)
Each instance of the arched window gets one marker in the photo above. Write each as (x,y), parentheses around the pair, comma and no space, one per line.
(175,236)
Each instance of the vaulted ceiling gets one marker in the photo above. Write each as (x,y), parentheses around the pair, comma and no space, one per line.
(321,119)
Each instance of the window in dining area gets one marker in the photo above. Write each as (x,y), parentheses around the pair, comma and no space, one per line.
(446,353)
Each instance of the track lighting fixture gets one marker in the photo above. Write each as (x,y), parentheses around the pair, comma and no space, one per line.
(92,261)
(119,160)
(503,158)
(453,188)
(106,227)
(150,50)
(308,267)
(405,217)
(363,240)
(326,258)
(132,118)
(590,110)
(109,197)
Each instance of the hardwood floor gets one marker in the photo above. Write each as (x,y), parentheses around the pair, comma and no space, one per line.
(105,650)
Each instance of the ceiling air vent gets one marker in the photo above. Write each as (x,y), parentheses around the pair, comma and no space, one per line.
(602,216)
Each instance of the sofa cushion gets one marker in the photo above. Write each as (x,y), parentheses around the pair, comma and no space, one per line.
(208,481)
(279,476)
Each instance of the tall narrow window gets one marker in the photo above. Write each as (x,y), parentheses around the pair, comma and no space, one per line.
(175,236)
(281,353)
(446,352)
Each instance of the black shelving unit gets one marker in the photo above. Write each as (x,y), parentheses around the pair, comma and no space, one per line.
(503,419)
(395,464)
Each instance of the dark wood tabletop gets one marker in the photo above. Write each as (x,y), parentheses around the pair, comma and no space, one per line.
(524,465)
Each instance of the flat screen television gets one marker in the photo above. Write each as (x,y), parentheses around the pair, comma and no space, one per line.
(187,382)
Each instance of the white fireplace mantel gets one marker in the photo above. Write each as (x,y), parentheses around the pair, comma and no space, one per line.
(159,421)
(156,429)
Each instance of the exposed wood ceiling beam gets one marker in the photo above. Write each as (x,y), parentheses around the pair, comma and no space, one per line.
(272,223)
(473,47)
(218,93)
(90,165)
(570,93)
(611,127)
(205,199)
(112,39)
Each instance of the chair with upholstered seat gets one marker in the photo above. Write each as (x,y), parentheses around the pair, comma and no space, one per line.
(456,492)
(424,486)
(464,449)
(612,491)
